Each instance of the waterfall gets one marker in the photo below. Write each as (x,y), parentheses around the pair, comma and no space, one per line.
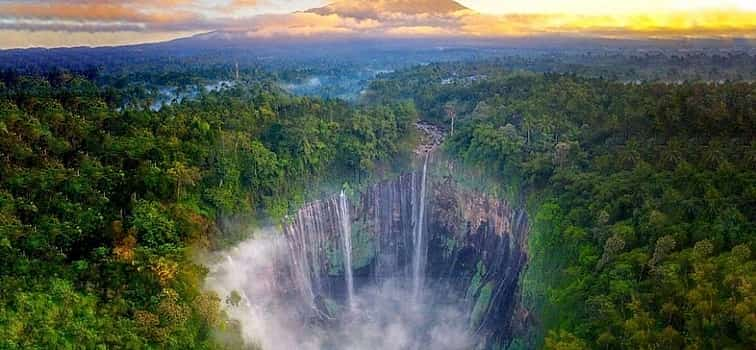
(346,238)
(437,267)
(418,258)
(388,210)
(309,235)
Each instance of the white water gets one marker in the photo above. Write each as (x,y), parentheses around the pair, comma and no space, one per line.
(346,237)
(294,297)
(418,257)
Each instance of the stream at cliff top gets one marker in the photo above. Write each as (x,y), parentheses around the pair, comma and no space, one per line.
(417,262)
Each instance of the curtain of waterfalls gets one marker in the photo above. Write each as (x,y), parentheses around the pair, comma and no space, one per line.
(379,274)
(413,263)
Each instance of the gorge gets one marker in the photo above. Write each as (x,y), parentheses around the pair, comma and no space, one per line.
(420,261)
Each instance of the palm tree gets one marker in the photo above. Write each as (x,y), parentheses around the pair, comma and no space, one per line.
(750,155)
(630,155)
(714,154)
(673,153)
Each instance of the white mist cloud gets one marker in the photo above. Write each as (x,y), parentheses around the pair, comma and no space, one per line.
(385,315)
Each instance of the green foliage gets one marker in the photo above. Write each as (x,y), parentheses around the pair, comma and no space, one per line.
(363,247)
(477,280)
(101,207)
(564,341)
(641,199)
(335,258)
(59,317)
(154,226)
(482,304)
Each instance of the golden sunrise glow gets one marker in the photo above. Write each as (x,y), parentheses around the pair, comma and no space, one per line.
(92,22)
(597,7)
(687,24)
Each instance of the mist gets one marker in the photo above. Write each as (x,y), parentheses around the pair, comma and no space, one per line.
(384,313)
(413,262)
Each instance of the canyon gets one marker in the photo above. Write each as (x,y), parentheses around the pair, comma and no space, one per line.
(420,261)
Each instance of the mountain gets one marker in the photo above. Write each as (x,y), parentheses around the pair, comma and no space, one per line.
(373,9)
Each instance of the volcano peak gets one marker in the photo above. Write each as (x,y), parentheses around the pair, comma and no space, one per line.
(366,9)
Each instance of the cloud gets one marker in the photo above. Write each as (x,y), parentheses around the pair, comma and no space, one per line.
(52,38)
(107,15)
(381,8)
(310,24)
(675,24)
(392,18)
(237,5)
(699,24)
(419,31)
(243,3)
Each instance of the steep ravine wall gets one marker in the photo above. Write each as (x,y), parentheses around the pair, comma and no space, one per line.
(478,245)
(472,250)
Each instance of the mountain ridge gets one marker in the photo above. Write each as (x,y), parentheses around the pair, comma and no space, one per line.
(371,9)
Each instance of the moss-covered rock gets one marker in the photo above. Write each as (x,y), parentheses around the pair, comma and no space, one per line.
(481,304)
(363,246)
(335,259)
(476,281)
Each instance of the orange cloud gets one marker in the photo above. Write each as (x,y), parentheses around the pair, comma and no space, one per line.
(47,38)
(99,11)
(237,5)
(108,14)
(381,8)
(243,3)
(687,24)
(419,31)
(304,24)
(467,23)
(393,18)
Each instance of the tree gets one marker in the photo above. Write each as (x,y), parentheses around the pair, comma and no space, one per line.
(613,246)
(450,108)
(673,153)
(714,154)
(183,176)
(564,340)
(664,246)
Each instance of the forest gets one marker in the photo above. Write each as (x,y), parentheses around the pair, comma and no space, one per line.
(643,197)
(638,173)
(103,209)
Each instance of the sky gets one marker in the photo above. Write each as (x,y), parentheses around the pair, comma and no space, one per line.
(56,23)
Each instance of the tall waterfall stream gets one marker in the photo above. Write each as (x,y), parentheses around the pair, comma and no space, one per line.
(417,262)
(346,237)
(418,258)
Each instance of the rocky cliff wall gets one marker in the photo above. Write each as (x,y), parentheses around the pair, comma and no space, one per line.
(471,250)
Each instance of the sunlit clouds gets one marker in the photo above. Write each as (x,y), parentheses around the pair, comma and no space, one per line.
(112,22)
(698,24)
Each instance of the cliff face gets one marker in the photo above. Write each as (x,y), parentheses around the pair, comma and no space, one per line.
(447,244)
(477,248)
